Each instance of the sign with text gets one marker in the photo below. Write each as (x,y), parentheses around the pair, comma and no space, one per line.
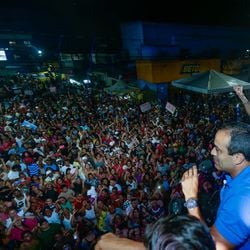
(145,107)
(190,68)
(170,107)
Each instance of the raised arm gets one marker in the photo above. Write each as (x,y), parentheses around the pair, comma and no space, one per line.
(239,91)
(189,184)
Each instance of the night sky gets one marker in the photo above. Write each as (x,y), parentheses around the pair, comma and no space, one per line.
(87,17)
(76,15)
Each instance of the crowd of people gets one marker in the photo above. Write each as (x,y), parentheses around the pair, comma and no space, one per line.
(77,162)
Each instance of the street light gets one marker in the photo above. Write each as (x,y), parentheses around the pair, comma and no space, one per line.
(39,52)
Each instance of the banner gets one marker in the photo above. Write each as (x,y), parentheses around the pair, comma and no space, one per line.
(30,125)
(145,107)
(170,107)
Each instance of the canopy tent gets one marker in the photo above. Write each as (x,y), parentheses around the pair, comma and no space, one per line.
(121,88)
(210,82)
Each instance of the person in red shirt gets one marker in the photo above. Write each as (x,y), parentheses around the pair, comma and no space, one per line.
(78,201)
(115,197)
(118,167)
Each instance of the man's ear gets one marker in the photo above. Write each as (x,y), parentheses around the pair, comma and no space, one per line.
(238,158)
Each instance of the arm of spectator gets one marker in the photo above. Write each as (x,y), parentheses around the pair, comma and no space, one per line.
(97,210)
(99,137)
(123,135)
(149,154)
(111,242)
(92,153)
(239,91)
(76,173)
(79,158)
(41,182)
(73,218)
(108,167)
(101,153)
(73,195)
(27,207)
(125,176)
(9,228)
(58,206)
(110,125)
(3,163)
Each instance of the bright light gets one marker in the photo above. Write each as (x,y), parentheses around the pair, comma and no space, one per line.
(86,81)
(39,52)
(71,81)
(74,82)
(3,56)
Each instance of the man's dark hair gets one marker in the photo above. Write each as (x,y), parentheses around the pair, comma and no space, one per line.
(180,232)
(240,139)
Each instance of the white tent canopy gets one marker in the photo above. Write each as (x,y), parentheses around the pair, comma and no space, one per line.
(210,82)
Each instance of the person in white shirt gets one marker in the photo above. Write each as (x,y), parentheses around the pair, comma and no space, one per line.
(113,183)
(66,166)
(51,215)
(66,219)
(19,139)
(13,174)
(20,200)
(90,213)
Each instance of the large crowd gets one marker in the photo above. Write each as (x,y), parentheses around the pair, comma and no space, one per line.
(77,162)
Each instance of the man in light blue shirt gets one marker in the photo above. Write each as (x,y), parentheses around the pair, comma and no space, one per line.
(231,153)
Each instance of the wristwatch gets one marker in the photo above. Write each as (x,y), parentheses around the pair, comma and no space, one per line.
(191,203)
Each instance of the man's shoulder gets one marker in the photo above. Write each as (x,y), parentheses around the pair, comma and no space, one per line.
(243,179)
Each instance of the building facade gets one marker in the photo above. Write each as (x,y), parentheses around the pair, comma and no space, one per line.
(147,40)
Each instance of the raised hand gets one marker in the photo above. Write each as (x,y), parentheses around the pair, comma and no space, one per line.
(189,183)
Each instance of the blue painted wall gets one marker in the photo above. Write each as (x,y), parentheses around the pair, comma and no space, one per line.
(147,40)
